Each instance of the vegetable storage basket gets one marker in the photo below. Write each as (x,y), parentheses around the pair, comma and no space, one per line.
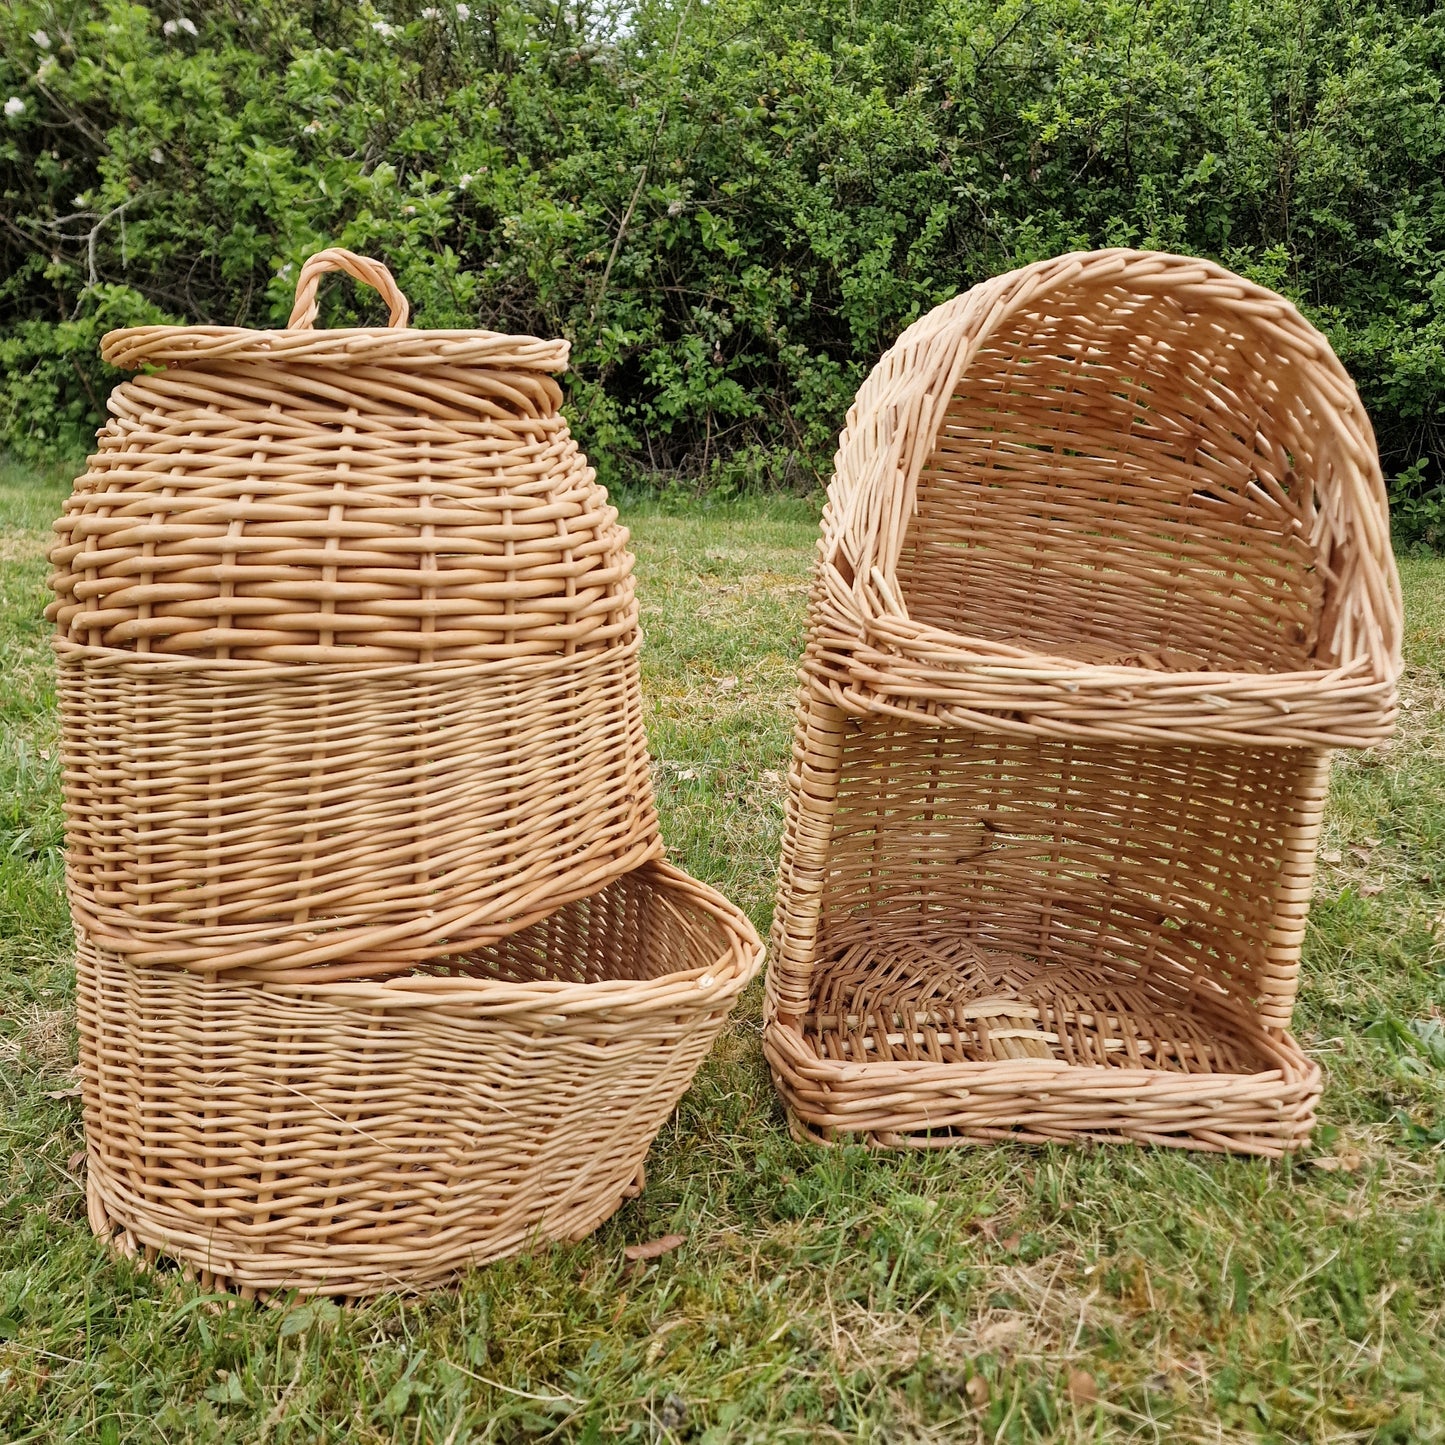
(352,1137)
(1105,573)
(348,649)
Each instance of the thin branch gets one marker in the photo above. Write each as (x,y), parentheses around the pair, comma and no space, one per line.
(642,174)
(91,237)
(621,232)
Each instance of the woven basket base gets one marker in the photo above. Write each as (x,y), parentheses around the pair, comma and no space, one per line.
(924,1041)
(385,1135)
(108,1222)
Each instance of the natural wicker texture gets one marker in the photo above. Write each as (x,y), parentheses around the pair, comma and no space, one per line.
(348,1138)
(332,822)
(348,649)
(1104,572)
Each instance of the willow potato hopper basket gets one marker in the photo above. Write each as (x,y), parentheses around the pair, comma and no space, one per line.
(381,973)
(1105,575)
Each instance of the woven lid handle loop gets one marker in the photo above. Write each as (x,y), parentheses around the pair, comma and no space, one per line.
(363,268)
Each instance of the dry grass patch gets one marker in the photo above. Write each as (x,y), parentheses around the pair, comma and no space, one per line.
(42,1037)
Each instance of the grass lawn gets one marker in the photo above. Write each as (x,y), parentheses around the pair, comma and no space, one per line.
(820,1295)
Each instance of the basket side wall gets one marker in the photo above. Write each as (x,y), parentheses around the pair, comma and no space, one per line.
(218,815)
(291,513)
(385,1134)
(1185,864)
(316,1148)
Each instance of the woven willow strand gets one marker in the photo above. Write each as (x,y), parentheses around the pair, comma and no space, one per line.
(1104,573)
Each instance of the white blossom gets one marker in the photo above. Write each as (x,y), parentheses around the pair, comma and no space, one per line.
(674,208)
(79,202)
(464,181)
(14,106)
(189,26)
(464,12)
(383,29)
(169,28)
(408,210)
(431,12)
(158,156)
(312,127)
(41,39)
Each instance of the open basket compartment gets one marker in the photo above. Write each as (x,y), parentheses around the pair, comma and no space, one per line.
(1104,575)
(355,1137)
(1046,939)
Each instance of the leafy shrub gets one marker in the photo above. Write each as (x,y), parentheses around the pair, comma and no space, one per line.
(731,207)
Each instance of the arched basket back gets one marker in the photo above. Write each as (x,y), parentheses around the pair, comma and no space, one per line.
(1113,494)
(348,649)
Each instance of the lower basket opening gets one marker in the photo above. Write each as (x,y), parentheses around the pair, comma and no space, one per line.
(631,930)
(894,996)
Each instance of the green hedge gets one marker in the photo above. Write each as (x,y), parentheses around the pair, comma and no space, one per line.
(730,206)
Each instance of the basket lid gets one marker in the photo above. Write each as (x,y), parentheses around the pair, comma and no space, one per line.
(353,497)
(394,344)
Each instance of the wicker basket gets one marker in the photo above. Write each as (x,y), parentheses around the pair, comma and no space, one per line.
(1105,573)
(349,1138)
(348,649)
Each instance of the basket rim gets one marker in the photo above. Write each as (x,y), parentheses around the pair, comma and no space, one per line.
(960,651)
(551,1002)
(134,348)
(1294,1067)
(1041,694)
